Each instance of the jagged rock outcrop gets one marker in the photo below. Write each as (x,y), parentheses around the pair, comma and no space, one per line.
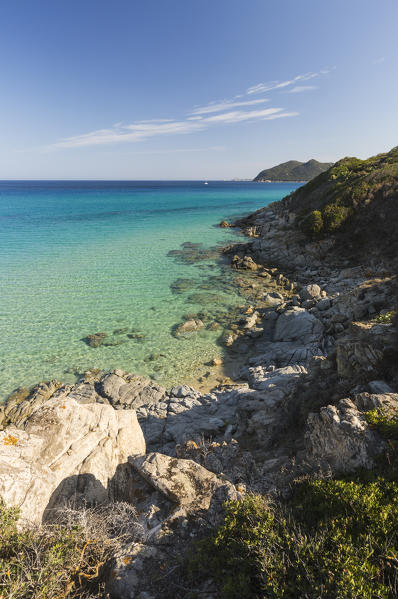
(340,438)
(360,351)
(188,415)
(22,403)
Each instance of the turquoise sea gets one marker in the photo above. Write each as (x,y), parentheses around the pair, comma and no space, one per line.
(78,258)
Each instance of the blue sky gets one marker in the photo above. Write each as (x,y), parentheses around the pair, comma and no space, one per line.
(186,89)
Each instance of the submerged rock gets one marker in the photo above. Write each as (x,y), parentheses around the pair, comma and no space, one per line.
(121,331)
(187,327)
(204,298)
(96,339)
(180,285)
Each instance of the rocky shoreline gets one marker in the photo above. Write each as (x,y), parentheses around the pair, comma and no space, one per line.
(318,345)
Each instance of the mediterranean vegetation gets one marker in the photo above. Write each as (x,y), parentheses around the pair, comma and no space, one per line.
(335,539)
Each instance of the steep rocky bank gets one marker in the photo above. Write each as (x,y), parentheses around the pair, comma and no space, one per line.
(321,347)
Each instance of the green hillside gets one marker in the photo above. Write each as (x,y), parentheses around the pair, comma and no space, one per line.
(355,200)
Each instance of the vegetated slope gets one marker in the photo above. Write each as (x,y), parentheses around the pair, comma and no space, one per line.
(357,202)
(331,539)
(293,170)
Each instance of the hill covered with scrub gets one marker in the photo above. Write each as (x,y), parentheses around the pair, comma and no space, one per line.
(293,170)
(356,201)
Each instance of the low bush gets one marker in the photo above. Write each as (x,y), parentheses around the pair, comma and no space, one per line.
(65,560)
(334,215)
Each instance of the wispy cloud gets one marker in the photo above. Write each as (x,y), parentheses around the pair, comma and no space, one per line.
(378,60)
(135,132)
(225,105)
(298,89)
(237,116)
(261,88)
(271,85)
(140,131)
(199,118)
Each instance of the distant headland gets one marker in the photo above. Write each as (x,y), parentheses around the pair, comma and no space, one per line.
(293,170)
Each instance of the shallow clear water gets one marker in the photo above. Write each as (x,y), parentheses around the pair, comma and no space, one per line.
(81,257)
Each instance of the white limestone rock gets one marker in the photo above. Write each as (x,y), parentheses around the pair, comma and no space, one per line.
(66,446)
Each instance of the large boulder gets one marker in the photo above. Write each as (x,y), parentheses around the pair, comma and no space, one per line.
(197,498)
(296,324)
(310,292)
(67,449)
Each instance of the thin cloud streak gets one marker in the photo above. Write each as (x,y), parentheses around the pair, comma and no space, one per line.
(298,89)
(266,87)
(238,115)
(226,105)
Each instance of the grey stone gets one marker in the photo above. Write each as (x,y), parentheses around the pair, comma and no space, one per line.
(296,324)
(310,292)
(182,481)
(379,387)
(340,437)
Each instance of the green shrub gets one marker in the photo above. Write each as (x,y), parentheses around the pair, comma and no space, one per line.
(386,317)
(385,423)
(312,225)
(335,539)
(334,216)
